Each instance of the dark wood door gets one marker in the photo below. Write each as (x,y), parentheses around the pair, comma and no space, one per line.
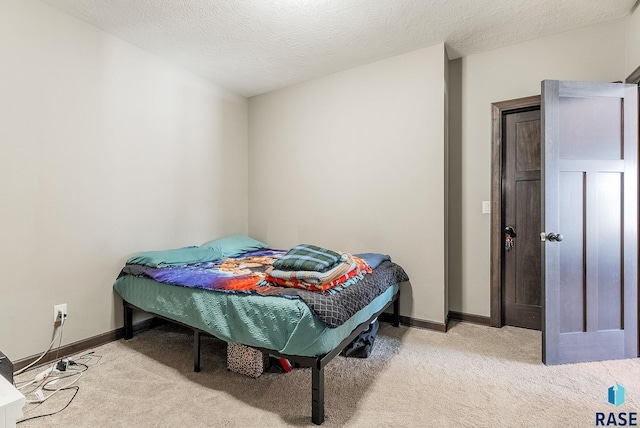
(521,303)
(590,218)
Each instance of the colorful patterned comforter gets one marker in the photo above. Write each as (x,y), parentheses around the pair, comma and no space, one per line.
(246,274)
(236,275)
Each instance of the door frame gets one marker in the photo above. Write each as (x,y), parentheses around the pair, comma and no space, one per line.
(497,111)
(496,234)
(634,77)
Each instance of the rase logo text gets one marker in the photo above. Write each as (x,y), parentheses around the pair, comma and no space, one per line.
(615,397)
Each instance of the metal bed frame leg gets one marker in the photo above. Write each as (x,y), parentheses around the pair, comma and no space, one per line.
(196,351)
(317,395)
(128,323)
(396,311)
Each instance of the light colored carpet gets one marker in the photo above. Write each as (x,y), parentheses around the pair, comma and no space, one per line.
(472,376)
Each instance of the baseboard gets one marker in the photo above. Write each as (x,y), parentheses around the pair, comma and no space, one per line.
(475,319)
(413,322)
(85,344)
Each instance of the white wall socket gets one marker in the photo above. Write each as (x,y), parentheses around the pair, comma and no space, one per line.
(59,308)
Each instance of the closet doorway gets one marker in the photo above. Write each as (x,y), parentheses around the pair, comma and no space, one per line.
(516,287)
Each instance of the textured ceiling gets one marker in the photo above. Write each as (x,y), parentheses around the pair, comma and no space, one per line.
(255,46)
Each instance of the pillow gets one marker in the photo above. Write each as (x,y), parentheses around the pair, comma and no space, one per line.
(373,259)
(178,256)
(234,245)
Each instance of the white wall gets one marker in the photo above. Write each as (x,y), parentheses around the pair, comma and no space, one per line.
(355,161)
(632,42)
(594,53)
(105,150)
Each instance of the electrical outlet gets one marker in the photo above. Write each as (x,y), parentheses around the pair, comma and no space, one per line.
(56,311)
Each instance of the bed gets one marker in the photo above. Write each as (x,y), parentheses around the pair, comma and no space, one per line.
(239,306)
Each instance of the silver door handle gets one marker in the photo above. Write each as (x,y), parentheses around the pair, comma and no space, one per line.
(554,237)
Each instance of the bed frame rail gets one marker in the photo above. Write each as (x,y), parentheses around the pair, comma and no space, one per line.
(317,364)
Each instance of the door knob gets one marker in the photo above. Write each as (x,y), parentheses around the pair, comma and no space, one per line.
(510,232)
(554,237)
(509,235)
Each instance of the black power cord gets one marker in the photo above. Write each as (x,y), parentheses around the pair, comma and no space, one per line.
(75,388)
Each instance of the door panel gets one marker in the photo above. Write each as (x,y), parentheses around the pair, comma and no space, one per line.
(528,263)
(592,126)
(528,143)
(589,197)
(609,255)
(571,256)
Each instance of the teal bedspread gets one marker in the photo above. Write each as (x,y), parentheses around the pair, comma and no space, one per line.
(284,325)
